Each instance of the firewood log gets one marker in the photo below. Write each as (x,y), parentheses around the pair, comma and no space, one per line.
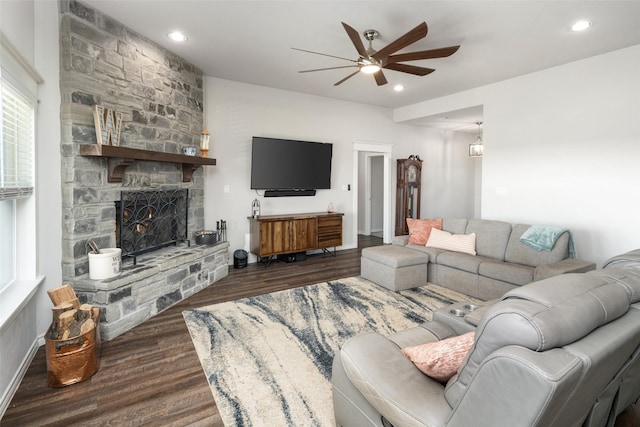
(85,311)
(87,326)
(74,328)
(62,294)
(66,319)
(55,322)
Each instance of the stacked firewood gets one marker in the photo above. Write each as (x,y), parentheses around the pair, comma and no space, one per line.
(70,318)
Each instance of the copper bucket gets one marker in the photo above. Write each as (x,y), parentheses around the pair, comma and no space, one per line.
(73,360)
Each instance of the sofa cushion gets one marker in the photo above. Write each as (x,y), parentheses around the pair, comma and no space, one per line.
(491,237)
(465,243)
(441,359)
(460,261)
(507,272)
(420,229)
(520,253)
(455,225)
(431,252)
(380,372)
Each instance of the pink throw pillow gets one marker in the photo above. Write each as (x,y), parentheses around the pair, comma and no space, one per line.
(420,229)
(441,359)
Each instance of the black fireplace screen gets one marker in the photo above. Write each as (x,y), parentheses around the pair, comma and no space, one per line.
(150,220)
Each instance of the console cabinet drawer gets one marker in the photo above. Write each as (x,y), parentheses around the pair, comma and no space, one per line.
(329,231)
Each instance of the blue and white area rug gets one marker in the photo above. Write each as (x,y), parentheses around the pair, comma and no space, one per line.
(268,358)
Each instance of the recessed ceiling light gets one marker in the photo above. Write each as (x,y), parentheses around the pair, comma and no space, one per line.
(177,36)
(398,88)
(580,26)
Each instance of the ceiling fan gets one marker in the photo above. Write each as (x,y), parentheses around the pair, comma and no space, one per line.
(373,61)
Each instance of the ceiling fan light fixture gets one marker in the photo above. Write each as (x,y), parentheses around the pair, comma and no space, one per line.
(370,68)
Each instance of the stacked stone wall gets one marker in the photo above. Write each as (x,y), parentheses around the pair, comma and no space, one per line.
(161,98)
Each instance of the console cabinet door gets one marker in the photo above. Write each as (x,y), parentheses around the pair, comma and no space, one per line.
(274,237)
(303,235)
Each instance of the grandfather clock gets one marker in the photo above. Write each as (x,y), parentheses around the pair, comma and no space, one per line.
(407,192)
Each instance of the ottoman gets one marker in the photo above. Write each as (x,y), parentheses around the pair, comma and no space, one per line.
(394,267)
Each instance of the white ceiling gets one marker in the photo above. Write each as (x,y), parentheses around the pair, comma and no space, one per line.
(251,41)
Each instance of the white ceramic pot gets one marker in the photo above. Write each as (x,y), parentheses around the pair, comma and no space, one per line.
(105,264)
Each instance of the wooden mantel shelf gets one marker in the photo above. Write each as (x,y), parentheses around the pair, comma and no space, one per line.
(121,157)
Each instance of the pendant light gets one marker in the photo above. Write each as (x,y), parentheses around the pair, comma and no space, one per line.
(476,149)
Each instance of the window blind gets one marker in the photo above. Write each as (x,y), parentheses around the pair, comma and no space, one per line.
(16,143)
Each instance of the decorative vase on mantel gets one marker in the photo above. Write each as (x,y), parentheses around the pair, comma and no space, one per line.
(330,208)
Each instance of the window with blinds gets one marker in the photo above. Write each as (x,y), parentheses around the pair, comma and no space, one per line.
(16,153)
(17,140)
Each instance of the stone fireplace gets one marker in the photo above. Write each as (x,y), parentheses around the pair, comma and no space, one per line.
(160,98)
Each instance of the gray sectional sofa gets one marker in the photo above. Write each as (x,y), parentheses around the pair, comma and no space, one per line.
(563,351)
(502,261)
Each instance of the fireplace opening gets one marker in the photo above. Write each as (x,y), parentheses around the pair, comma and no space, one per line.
(150,220)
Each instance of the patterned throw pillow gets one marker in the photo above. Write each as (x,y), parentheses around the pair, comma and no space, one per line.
(441,359)
(420,229)
(465,243)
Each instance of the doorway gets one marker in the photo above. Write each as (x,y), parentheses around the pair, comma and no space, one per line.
(372,201)
(374,195)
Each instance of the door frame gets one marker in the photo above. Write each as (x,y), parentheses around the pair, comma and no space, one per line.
(374,149)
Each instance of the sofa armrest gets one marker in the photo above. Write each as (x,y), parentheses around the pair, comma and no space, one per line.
(391,383)
(401,240)
(512,375)
(568,265)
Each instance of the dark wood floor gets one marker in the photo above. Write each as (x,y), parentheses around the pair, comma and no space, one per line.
(151,375)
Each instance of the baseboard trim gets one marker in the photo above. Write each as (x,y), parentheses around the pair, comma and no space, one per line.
(8,394)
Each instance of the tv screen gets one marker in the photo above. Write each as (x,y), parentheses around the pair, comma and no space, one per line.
(283,164)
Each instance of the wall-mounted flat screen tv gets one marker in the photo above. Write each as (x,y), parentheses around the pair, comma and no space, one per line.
(290,166)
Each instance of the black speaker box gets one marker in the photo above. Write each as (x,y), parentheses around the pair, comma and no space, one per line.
(295,257)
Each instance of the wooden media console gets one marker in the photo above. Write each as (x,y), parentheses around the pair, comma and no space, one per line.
(273,235)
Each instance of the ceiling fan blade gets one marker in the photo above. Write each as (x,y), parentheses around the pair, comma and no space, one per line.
(424,54)
(348,77)
(356,40)
(411,69)
(329,68)
(324,54)
(380,78)
(411,36)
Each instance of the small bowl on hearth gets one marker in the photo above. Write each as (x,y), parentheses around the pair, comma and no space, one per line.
(206,237)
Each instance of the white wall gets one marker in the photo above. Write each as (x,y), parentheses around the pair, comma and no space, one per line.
(562,148)
(235,112)
(23,334)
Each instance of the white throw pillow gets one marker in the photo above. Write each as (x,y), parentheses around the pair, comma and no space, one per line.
(465,243)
